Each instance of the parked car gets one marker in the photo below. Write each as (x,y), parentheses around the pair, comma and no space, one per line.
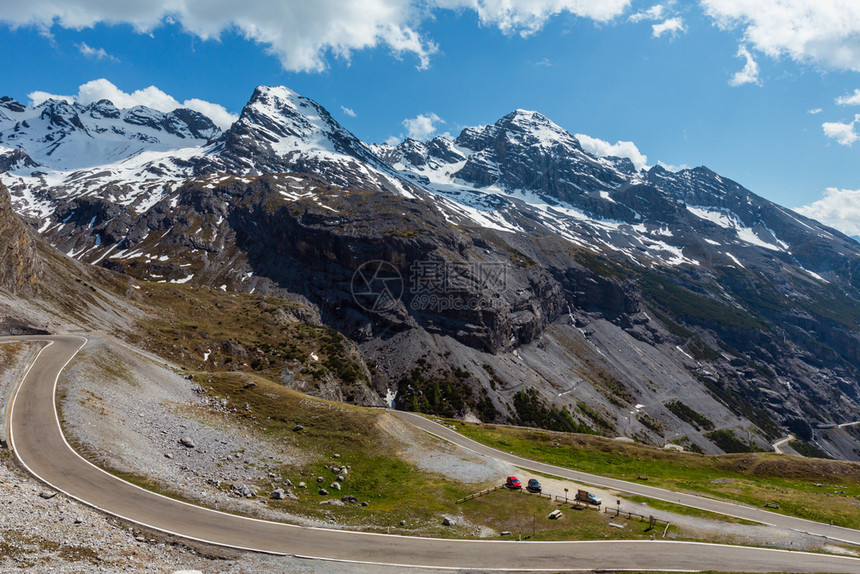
(588,498)
(513,482)
(533,485)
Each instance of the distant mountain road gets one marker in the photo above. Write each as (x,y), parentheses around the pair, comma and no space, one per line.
(737,510)
(39,445)
(777,446)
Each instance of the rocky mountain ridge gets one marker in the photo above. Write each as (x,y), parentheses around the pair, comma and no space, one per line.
(534,278)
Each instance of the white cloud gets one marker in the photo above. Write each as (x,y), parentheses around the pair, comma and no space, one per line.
(97,53)
(826,32)
(39,97)
(422,127)
(671,26)
(814,111)
(671,23)
(671,167)
(300,34)
(151,97)
(844,134)
(655,12)
(102,89)
(348,111)
(749,75)
(601,148)
(215,112)
(528,16)
(849,100)
(839,208)
(304,35)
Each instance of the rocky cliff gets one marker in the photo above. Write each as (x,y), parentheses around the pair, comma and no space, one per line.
(505,274)
(20,267)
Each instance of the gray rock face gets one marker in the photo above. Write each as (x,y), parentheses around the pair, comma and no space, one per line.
(20,267)
(751,305)
(54,123)
(187,442)
(15,159)
(243,490)
(276,114)
(279,494)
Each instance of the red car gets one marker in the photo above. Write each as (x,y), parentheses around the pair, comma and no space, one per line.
(513,482)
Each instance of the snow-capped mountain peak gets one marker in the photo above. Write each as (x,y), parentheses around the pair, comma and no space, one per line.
(66,136)
(281,131)
(521,128)
(125,155)
(103,109)
(11,105)
(280,115)
(487,176)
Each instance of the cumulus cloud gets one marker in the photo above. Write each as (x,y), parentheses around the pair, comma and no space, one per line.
(850,99)
(300,34)
(422,126)
(303,35)
(673,168)
(602,148)
(749,75)
(103,89)
(826,32)
(839,208)
(150,97)
(655,12)
(38,97)
(844,134)
(215,112)
(528,16)
(97,53)
(349,111)
(671,26)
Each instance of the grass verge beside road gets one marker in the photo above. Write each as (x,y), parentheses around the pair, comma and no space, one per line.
(526,517)
(815,489)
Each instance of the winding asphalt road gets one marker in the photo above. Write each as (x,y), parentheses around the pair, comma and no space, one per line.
(777,446)
(836,533)
(40,446)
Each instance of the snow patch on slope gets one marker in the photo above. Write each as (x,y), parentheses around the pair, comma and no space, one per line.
(729,220)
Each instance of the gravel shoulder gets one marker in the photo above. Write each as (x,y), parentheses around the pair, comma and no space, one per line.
(45,531)
(131,412)
(137,416)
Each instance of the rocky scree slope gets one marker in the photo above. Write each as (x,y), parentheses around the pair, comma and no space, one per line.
(538,283)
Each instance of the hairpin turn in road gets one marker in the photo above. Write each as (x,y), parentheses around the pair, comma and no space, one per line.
(39,445)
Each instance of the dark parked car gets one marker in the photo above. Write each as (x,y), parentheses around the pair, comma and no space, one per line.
(513,482)
(533,485)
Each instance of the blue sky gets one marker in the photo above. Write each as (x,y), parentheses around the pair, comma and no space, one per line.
(758,90)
